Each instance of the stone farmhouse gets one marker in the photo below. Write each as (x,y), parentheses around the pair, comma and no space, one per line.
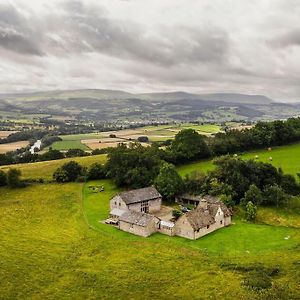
(137,212)
(210,215)
(146,200)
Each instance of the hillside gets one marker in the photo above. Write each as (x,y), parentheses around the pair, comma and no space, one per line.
(119,106)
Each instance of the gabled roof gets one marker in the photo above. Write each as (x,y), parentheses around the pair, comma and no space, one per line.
(167,224)
(139,195)
(199,218)
(214,203)
(137,218)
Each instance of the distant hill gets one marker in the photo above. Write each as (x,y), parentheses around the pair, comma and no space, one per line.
(121,95)
(120,106)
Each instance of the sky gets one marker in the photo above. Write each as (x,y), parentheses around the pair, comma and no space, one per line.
(199,46)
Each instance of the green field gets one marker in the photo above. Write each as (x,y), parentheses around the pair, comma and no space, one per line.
(285,157)
(45,169)
(155,133)
(52,246)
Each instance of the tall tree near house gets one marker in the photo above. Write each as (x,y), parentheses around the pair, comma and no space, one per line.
(168,182)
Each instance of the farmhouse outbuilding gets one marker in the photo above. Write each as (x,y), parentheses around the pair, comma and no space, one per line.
(138,223)
(210,215)
(146,200)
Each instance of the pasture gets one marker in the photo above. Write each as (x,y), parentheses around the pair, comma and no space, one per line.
(285,157)
(52,246)
(45,169)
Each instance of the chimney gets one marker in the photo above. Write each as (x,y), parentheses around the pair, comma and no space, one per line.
(203,204)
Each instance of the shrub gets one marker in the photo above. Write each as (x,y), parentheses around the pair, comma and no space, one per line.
(70,171)
(3,180)
(251,211)
(13,178)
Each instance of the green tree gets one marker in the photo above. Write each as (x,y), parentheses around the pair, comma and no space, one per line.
(189,145)
(13,178)
(96,171)
(136,166)
(251,211)
(168,182)
(275,195)
(3,180)
(253,195)
(69,172)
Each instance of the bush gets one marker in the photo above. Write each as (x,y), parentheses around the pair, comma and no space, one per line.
(251,211)
(176,213)
(143,139)
(3,180)
(13,178)
(69,172)
(96,171)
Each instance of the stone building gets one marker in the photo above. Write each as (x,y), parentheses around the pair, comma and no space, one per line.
(210,215)
(146,200)
(138,223)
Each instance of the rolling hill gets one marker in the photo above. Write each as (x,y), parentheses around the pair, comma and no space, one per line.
(120,106)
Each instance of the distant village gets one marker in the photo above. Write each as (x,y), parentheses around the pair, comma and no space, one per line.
(141,212)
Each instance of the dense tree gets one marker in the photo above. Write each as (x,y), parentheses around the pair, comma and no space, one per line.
(253,195)
(188,145)
(168,182)
(13,178)
(96,171)
(76,153)
(275,195)
(135,166)
(70,171)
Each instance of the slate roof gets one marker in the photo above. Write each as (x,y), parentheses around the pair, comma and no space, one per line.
(199,218)
(137,218)
(213,204)
(135,196)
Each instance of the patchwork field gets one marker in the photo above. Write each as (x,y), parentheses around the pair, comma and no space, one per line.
(4,134)
(285,157)
(12,146)
(52,246)
(103,140)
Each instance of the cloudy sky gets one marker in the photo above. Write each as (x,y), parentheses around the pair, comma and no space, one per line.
(159,45)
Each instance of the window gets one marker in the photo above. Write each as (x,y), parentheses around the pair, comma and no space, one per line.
(207,226)
(219,213)
(221,222)
(115,202)
(119,203)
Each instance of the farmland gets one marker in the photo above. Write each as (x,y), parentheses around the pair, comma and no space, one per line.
(102,140)
(12,146)
(54,230)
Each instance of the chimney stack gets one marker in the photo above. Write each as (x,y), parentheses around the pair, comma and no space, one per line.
(203,204)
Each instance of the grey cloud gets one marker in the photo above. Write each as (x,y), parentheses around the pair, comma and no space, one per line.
(291,38)
(16,34)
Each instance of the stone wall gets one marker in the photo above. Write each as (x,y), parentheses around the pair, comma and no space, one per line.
(140,230)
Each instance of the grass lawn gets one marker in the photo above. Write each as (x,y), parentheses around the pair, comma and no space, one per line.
(52,246)
(45,169)
(286,157)
(66,145)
